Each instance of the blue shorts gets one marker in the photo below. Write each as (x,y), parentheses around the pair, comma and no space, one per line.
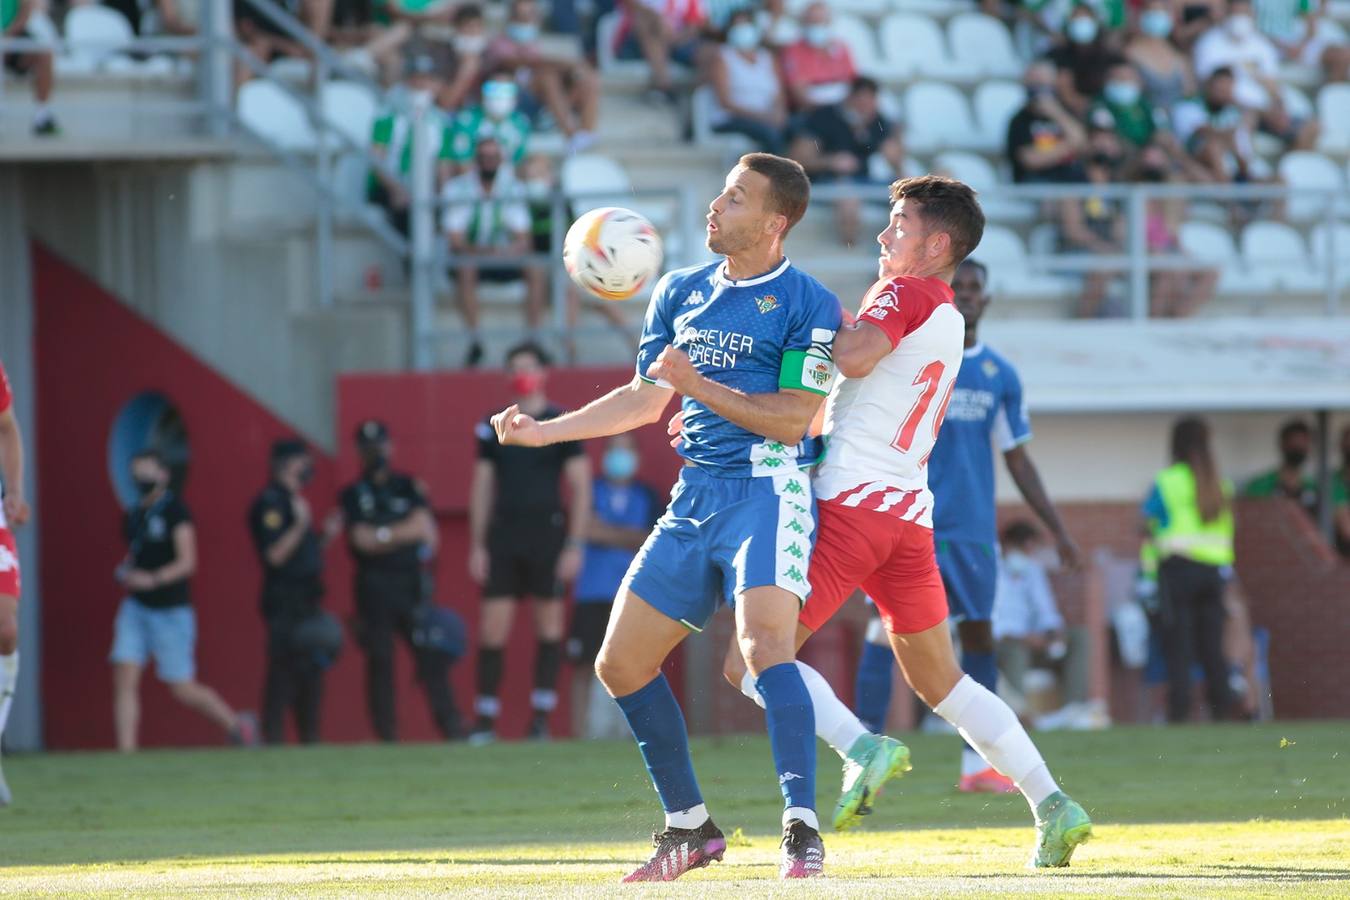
(970,575)
(169,636)
(722,536)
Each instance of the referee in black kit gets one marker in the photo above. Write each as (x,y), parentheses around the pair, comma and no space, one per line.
(291,551)
(522,543)
(392,537)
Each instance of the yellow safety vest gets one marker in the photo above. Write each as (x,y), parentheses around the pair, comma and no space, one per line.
(1186,534)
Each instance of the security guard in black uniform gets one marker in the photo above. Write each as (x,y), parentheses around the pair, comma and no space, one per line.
(392,537)
(291,552)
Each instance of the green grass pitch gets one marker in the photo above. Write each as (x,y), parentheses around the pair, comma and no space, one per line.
(1219,811)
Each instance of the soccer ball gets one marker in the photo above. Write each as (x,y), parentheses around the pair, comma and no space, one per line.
(612,252)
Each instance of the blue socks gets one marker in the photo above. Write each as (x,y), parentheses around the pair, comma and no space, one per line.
(872,693)
(658,726)
(792,733)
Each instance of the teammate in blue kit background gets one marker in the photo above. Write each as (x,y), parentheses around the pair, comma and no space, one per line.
(987,408)
(746,342)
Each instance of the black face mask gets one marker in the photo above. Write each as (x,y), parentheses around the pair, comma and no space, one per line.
(488,172)
(306,475)
(1294,457)
(376,461)
(145,486)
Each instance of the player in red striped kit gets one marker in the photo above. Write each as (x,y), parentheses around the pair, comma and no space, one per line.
(899,362)
(13,512)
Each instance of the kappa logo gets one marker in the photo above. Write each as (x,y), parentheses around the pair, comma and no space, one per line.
(766,304)
(788,776)
(694,299)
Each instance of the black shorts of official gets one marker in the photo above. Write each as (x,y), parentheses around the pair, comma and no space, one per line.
(589,623)
(523,561)
(20,63)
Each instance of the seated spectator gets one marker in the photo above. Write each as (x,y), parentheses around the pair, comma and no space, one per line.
(661,32)
(1237,45)
(497,117)
(1295,28)
(14,18)
(1028,628)
(486,216)
(1045,141)
(469,63)
(262,37)
(1288,478)
(159,17)
(779,27)
(391,140)
(1176,293)
(1123,105)
(1096,224)
(817,69)
(1218,133)
(1340,497)
(1165,70)
(837,144)
(1082,60)
(750,95)
(1193,18)
(354,27)
(568,88)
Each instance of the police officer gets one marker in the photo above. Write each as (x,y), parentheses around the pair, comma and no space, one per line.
(291,551)
(392,536)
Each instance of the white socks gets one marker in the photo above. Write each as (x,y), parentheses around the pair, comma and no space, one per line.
(690,818)
(990,726)
(836,724)
(808,816)
(9,677)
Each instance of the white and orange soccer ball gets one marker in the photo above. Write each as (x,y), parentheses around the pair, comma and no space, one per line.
(612,253)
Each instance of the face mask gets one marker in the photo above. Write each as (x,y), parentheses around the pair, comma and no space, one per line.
(1082,30)
(470,44)
(1241,25)
(817,35)
(784,32)
(538,188)
(1156,23)
(146,486)
(306,475)
(522,32)
(1294,457)
(743,36)
(620,464)
(1122,93)
(525,383)
(1015,562)
(489,169)
(499,99)
(376,461)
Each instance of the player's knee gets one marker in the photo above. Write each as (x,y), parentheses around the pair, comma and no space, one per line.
(9,635)
(619,676)
(763,649)
(183,691)
(976,636)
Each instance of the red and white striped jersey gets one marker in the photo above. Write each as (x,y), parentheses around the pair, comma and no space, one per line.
(880,429)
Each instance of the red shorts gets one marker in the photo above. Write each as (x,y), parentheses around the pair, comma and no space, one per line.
(894,561)
(9,564)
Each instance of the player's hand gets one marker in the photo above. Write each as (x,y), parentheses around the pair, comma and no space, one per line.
(675,428)
(674,368)
(478,563)
(138,580)
(16,508)
(1069,555)
(515,427)
(569,565)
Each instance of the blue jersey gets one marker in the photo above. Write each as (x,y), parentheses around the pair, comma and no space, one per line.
(631,505)
(986,409)
(755,335)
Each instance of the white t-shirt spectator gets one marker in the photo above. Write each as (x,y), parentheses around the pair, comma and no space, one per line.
(752,84)
(1219,47)
(488,218)
(1024,604)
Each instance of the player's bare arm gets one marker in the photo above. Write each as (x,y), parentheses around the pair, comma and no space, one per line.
(635,404)
(858,347)
(784,415)
(1028,480)
(480,514)
(11,466)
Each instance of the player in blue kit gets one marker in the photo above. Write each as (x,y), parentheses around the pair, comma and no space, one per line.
(747,343)
(986,409)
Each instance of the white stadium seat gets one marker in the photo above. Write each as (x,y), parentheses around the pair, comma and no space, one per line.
(913,46)
(1277,249)
(349,107)
(937,116)
(996,102)
(980,174)
(982,43)
(1009,271)
(1333,112)
(275,115)
(1315,174)
(872,8)
(1340,239)
(606,29)
(607,184)
(862,43)
(1210,243)
(702,103)
(94,35)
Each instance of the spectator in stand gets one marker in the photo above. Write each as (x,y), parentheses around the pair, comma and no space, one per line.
(1123,105)
(1178,293)
(751,99)
(1236,44)
(568,88)
(1165,70)
(661,32)
(1193,18)
(262,37)
(780,29)
(838,143)
(1295,27)
(1082,59)
(14,16)
(1289,478)
(1340,497)
(1096,224)
(1045,141)
(817,69)
(159,17)
(487,216)
(391,140)
(497,117)
(1218,133)
(352,27)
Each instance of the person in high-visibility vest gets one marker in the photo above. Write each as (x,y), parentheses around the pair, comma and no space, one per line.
(1189,514)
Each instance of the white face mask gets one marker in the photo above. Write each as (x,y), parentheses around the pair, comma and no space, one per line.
(499,99)
(1241,25)
(538,188)
(743,36)
(818,35)
(470,44)
(1082,30)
